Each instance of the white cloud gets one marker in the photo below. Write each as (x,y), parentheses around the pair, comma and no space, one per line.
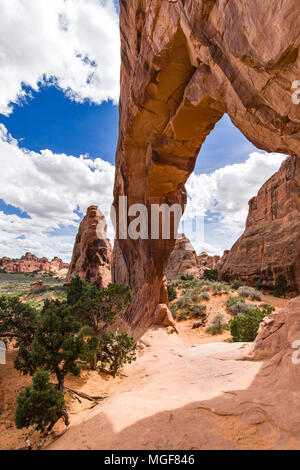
(226,192)
(49,188)
(73,43)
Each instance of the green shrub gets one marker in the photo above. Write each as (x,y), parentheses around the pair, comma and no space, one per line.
(76,290)
(205,296)
(172,294)
(181,316)
(186,277)
(100,307)
(40,405)
(281,286)
(86,330)
(211,274)
(219,288)
(244,328)
(258,284)
(217,326)
(198,311)
(236,284)
(173,309)
(233,300)
(116,350)
(176,283)
(267,308)
(18,321)
(245,291)
(190,284)
(237,305)
(189,296)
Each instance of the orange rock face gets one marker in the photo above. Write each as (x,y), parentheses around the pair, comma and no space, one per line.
(270,244)
(184,65)
(183,260)
(92,252)
(29,263)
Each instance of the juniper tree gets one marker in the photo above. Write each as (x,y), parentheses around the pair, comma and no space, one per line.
(211,274)
(281,286)
(245,327)
(76,290)
(99,308)
(116,350)
(57,345)
(18,321)
(40,405)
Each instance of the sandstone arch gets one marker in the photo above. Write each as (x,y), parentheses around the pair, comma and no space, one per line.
(184,64)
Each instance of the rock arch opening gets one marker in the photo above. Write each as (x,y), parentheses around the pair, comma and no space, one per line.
(191,63)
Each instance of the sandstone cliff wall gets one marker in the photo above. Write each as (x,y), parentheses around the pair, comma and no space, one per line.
(270,244)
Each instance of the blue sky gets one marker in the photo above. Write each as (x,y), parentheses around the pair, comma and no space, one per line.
(49,120)
(58,134)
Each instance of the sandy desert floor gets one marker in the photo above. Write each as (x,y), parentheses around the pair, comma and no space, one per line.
(158,402)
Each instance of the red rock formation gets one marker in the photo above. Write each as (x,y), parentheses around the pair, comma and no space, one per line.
(92,252)
(185,64)
(29,263)
(206,261)
(183,260)
(270,244)
(163,317)
(37,285)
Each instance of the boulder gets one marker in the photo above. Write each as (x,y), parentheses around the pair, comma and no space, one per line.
(163,317)
(36,286)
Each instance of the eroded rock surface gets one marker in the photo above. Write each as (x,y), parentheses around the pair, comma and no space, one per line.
(92,252)
(36,286)
(209,396)
(272,399)
(185,64)
(270,244)
(183,260)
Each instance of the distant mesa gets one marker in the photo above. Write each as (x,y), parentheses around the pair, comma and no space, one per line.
(30,263)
